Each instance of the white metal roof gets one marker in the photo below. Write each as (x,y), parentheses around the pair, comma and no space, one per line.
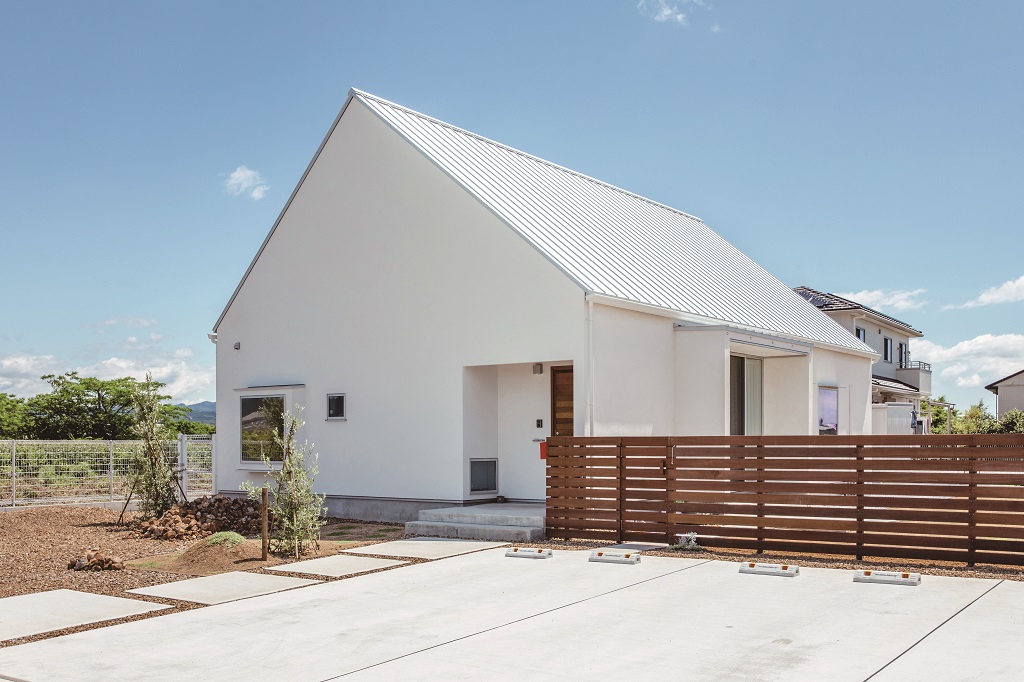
(612,242)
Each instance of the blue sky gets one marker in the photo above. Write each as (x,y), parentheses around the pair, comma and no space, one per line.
(868,148)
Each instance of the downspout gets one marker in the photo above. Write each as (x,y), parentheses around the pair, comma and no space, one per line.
(589,367)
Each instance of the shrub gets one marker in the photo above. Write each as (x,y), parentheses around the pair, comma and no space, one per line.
(227,538)
(150,475)
(295,510)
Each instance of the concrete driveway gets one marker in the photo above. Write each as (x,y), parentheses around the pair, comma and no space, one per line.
(484,616)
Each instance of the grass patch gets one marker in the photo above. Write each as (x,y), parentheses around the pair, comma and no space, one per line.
(226,537)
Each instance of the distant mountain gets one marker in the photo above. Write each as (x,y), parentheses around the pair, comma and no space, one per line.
(204,412)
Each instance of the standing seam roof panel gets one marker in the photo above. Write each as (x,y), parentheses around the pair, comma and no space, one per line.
(610,241)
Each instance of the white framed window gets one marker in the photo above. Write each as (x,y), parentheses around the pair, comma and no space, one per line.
(902,355)
(886,349)
(336,406)
(862,334)
(262,417)
(828,411)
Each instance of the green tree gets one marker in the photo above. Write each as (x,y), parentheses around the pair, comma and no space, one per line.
(191,428)
(975,419)
(15,421)
(87,407)
(1011,422)
(939,415)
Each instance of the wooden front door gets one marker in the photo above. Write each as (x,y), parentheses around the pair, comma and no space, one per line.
(561,401)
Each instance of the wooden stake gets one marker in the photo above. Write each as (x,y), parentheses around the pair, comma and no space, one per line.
(266,529)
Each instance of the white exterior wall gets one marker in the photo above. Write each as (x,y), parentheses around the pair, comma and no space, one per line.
(852,375)
(702,382)
(875,333)
(789,396)
(633,382)
(384,280)
(1010,396)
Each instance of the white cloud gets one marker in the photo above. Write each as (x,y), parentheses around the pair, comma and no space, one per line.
(186,381)
(663,11)
(128,321)
(20,372)
(1007,292)
(136,343)
(716,29)
(896,300)
(244,180)
(975,362)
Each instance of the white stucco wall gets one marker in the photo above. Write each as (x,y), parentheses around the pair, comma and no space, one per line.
(384,280)
(851,374)
(788,396)
(523,398)
(701,382)
(633,375)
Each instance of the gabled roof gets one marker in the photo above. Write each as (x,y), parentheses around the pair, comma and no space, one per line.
(994,386)
(610,242)
(825,301)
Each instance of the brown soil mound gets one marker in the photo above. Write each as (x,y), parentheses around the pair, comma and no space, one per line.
(206,559)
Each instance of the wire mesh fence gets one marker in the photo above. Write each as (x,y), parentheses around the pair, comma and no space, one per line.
(59,472)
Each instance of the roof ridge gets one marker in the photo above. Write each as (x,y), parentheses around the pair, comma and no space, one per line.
(469,133)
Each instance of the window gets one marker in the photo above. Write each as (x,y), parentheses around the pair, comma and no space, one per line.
(262,419)
(483,475)
(828,411)
(887,349)
(902,355)
(861,334)
(336,406)
(745,380)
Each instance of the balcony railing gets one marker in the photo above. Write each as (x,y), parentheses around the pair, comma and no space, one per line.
(907,363)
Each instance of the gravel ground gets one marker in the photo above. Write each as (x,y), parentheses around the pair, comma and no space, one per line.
(36,544)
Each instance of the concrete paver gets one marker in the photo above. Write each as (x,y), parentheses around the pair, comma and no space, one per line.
(338,565)
(425,548)
(32,614)
(225,587)
(482,616)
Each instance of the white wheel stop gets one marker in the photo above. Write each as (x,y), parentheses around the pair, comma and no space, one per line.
(528,553)
(782,570)
(614,556)
(887,577)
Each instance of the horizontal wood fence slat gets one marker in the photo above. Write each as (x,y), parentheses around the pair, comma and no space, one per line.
(952,498)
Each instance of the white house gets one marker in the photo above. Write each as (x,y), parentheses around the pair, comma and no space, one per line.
(441,303)
(898,384)
(1009,393)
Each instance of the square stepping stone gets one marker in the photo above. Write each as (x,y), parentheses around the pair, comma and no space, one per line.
(32,614)
(425,548)
(338,565)
(217,589)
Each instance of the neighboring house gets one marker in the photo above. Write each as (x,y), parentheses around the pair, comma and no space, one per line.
(898,384)
(1009,393)
(441,303)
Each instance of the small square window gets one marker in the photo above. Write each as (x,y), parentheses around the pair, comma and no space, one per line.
(862,334)
(886,349)
(336,406)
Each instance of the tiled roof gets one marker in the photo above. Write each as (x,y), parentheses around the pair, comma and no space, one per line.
(826,301)
(893,385)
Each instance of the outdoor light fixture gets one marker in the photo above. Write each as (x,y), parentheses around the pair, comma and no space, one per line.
(887,577)
(528,553)
(538,368)
(783,570)
(238,345)
(614,557)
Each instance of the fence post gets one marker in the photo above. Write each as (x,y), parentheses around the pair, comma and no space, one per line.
(760,500)
(972,503)
(111,471)
(183,463)
(14,473)
(860,503)
(622,488)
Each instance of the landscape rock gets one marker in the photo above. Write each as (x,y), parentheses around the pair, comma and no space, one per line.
(203,516)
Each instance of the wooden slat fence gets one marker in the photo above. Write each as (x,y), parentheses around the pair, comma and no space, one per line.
(954,498)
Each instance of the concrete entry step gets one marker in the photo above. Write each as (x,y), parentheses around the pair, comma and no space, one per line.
(505,522)
(474,531)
